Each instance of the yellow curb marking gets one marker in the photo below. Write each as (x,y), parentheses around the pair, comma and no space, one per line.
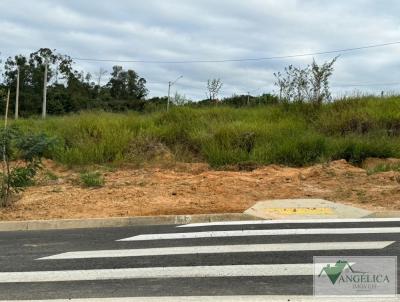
(301,211)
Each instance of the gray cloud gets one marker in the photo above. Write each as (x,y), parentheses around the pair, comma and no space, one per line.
(210,30)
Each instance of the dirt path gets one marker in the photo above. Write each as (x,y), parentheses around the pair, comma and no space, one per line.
(193,189)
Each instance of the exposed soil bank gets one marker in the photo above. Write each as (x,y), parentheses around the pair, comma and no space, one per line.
(196,189)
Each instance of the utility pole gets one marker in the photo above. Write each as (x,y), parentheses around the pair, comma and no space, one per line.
(17,95)
(169,94)
(248,98)
(169,90)
(44,109)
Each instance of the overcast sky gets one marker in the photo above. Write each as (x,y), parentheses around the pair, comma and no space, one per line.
(170,30)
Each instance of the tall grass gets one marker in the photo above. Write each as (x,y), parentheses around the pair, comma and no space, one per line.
(290,134)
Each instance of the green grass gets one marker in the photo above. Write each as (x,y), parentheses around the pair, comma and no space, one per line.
(294,134)
(50,175)
(384,168)
(92,179)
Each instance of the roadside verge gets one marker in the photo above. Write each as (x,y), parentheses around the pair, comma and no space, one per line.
(31,225)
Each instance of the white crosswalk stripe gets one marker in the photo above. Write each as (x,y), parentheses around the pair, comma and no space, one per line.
(275,232)
(217,249)
(251,270)
(300,221)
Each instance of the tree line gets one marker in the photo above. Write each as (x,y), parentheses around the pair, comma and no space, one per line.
(70,90)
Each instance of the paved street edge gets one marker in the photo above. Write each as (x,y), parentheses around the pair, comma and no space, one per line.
(58,224)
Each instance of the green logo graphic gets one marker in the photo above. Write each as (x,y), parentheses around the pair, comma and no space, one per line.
(334,272)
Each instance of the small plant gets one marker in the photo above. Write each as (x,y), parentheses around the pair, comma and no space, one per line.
(92,179)
(21,159)
(51,176)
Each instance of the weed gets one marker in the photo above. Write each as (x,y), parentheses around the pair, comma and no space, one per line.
(92,179)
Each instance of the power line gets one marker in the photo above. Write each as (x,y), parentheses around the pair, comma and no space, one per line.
(366,84)
(240,60)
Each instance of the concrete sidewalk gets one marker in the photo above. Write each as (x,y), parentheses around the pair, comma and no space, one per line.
(305,209)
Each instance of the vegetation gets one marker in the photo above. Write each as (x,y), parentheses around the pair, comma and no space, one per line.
(293,134)
(69,90)
(213,88)
(305,84)
(21,160)
(384,168)
(92,179)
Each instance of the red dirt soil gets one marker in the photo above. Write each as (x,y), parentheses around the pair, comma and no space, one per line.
(195,189)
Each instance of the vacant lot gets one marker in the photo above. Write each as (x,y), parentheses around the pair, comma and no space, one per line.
(288,134)
(215,159)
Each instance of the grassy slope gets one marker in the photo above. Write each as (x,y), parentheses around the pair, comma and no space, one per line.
(295,134)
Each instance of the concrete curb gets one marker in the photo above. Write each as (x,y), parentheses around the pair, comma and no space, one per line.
(60,224)
(385,214)
(31,225)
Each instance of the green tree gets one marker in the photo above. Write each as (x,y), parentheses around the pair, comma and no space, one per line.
(32,74)
(126,85)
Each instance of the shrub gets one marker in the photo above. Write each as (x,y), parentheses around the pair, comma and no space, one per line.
(21,155)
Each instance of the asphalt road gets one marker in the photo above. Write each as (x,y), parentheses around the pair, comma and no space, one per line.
(244,261)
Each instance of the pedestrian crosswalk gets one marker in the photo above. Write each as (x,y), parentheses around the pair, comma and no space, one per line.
(211,253)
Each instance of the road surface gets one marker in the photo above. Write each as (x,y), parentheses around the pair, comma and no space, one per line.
(229,261)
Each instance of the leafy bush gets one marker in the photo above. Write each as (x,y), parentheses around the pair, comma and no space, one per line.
(21,155)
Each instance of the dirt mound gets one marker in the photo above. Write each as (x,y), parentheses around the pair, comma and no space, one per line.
(195,189)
